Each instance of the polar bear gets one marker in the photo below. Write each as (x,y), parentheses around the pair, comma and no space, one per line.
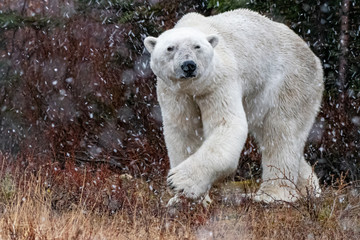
(222,77)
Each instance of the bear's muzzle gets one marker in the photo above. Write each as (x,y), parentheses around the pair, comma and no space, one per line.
(189,67)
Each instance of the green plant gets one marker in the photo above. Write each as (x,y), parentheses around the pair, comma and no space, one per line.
(7,188)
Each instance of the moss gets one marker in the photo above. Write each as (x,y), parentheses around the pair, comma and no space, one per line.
(7,189)
(226,5)
(249,184)
(124,5)
(12,20)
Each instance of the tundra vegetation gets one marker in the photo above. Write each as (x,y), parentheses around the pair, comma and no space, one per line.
(82,154)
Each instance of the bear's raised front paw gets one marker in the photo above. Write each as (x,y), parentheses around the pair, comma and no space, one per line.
(184,181)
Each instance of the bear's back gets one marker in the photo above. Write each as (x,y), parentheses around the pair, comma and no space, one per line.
(266,52)
(242,26)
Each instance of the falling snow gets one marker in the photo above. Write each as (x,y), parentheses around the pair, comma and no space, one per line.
(76,83)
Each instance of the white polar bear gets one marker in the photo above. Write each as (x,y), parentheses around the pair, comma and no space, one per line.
(223,76)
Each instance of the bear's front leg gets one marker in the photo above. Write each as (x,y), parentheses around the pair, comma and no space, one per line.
(183,131)
(225,132)
(216,158)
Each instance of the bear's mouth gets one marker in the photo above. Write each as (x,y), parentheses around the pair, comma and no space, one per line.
(187,76)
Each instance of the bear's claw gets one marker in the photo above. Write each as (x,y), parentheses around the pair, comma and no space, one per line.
(181,181)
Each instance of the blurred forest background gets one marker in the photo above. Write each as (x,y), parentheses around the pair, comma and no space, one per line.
(75,82)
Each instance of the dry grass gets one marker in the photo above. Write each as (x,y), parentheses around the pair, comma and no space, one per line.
(52,203)
(59,198)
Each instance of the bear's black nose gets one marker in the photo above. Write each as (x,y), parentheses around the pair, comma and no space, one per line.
(188,67)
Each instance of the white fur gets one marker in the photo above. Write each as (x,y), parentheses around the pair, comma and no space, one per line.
(253,75)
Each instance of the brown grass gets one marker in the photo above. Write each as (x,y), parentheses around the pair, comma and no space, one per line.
(70,190)
(97,203)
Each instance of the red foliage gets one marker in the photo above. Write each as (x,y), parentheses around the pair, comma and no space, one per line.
(80,88)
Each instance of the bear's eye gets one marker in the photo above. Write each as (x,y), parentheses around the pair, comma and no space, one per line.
(170,49)
(197,47)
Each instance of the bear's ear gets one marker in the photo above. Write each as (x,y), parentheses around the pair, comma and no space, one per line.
(150,43)
(213,39)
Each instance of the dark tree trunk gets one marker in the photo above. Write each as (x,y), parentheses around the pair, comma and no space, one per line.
(344,43)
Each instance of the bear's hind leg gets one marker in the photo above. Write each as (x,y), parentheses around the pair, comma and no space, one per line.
(285,173)
(280,163)
(308,182)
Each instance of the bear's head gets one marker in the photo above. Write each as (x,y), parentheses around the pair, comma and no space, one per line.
(181,54)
